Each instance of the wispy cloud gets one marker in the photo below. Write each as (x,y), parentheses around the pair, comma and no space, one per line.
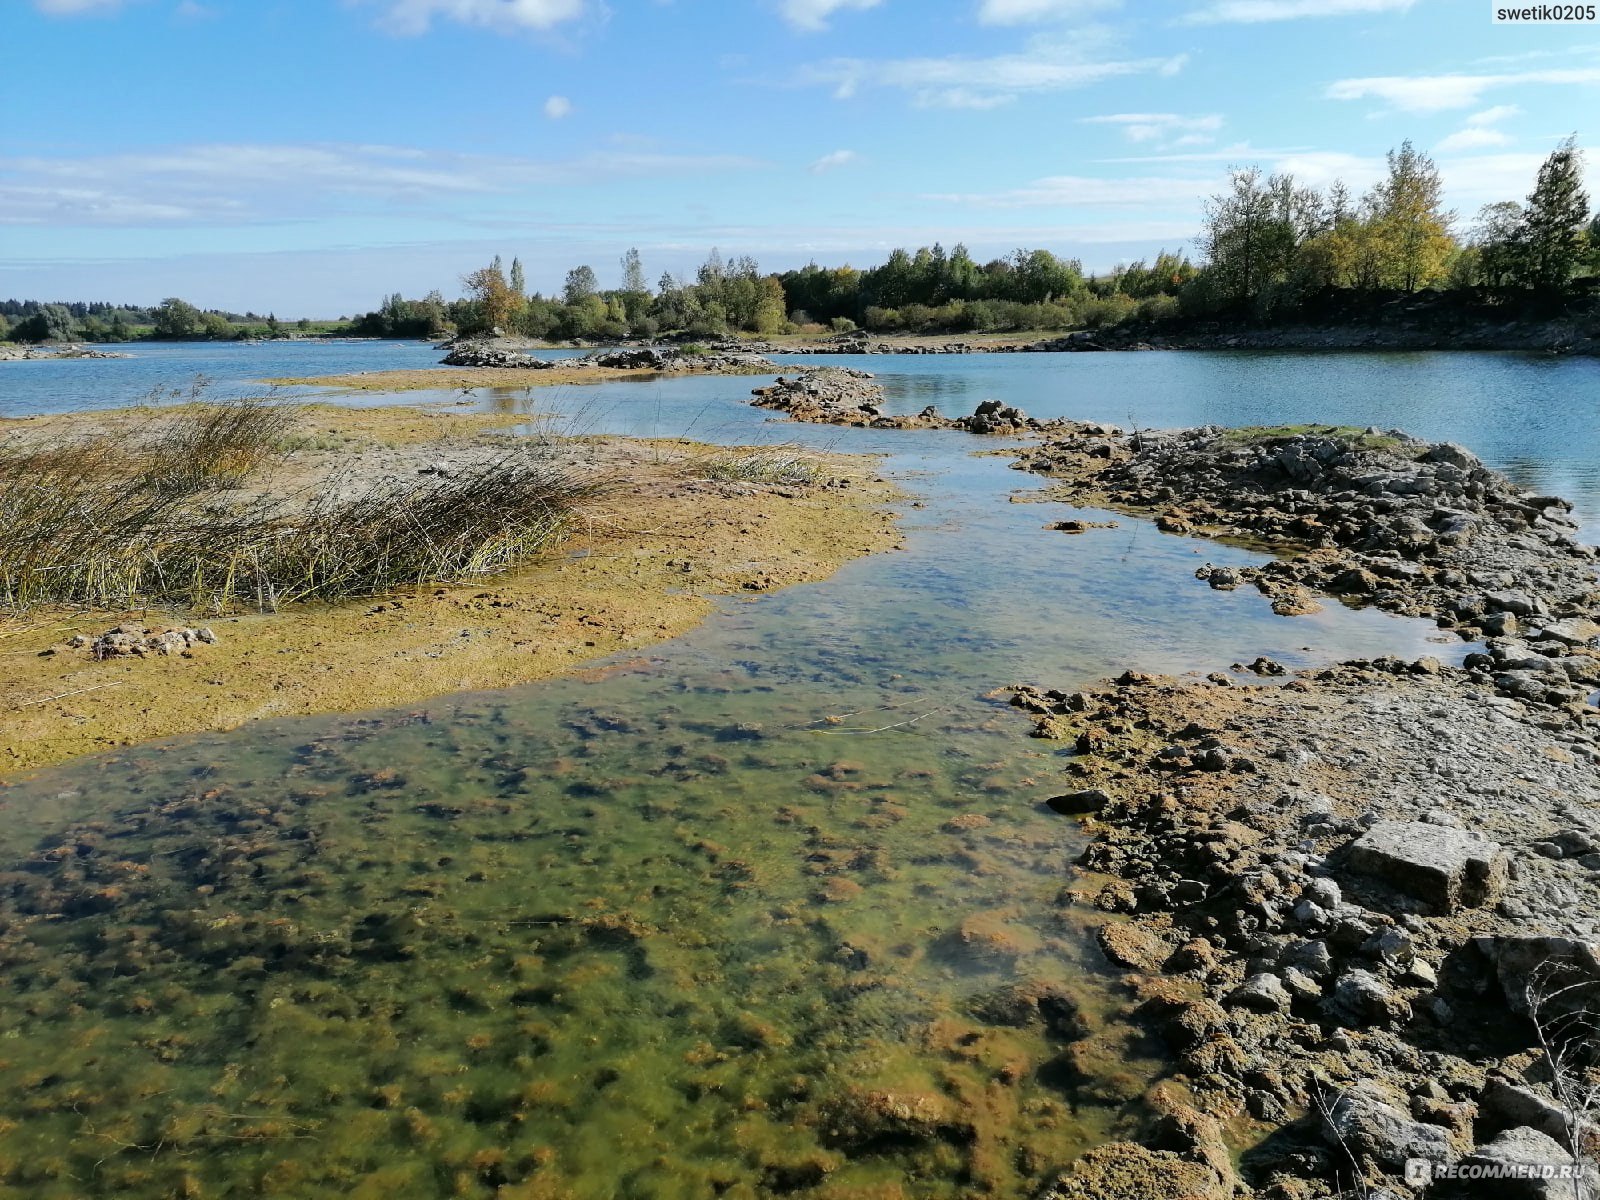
(1168,130)
(1253,12)
(252,183)
(1440,93)
(417,16)
(834,160)
(1033,12)
(1480,132)
(812,15)
(557,107)
(1046,64)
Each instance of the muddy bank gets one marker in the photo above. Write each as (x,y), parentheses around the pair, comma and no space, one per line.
(680,525)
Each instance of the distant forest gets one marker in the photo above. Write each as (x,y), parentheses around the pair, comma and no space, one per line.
(1269,248)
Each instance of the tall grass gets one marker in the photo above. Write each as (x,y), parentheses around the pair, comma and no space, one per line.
(107,523)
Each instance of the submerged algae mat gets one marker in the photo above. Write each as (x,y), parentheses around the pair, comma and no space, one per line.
(661,940)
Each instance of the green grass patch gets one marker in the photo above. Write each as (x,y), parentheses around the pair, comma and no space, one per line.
(1355,435)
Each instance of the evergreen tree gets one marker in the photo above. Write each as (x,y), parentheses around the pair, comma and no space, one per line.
(1553,223)
(518,281)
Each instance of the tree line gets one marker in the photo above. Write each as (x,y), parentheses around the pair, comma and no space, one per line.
(1269,246)
(172,319)
(1269,243)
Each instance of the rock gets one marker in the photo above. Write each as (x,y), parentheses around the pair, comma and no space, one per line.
(1077,804)
(1361,998)
(484,353)
(1126,1170)
(1361,1121)
(1574,631)
(1445,868)
(1260,993)
(1565,972)
(1132,946)
(1513,1104)
(1520,1164)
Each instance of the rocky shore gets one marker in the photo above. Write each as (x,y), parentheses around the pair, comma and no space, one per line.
(506,355)
(846,396)
(1361,905)
(30,353)
(1423,529)
(1347,905)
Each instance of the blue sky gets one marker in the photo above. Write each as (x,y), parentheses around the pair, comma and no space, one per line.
(308,156)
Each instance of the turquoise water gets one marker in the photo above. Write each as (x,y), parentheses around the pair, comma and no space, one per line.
(775,908)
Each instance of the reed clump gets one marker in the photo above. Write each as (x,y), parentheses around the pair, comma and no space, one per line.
(166,519)
(785,466)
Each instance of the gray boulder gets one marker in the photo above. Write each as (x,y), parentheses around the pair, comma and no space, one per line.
(1520,1164)
(1445,868)
(1361,1121)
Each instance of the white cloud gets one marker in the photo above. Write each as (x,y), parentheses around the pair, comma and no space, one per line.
(1251,12)
(1030,12)
(812,15)
(557,107)
(415,16)
(1169,129)
(73,8)
(248,183)
(1439,93)
(1493,116)
(1472,138)
(1047,64)
(834,160)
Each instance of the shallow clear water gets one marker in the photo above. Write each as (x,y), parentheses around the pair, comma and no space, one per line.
(731,918)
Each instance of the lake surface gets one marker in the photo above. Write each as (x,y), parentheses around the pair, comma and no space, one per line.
(769,910)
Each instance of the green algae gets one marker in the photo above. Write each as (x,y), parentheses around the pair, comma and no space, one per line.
(543,951)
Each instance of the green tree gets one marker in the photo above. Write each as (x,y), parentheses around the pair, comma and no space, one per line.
(216,326)
(581,284)
(175,318)
(1500,245)
(1553,222)
(633,281)
(1236,237)
(274,326)
(51,323)
(518,281)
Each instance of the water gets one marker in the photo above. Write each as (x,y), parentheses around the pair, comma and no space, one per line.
(1535,417)
(738,917)
(233,369)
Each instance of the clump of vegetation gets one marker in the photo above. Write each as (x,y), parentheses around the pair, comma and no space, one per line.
(1353,435)
(106,523)
(781,465)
